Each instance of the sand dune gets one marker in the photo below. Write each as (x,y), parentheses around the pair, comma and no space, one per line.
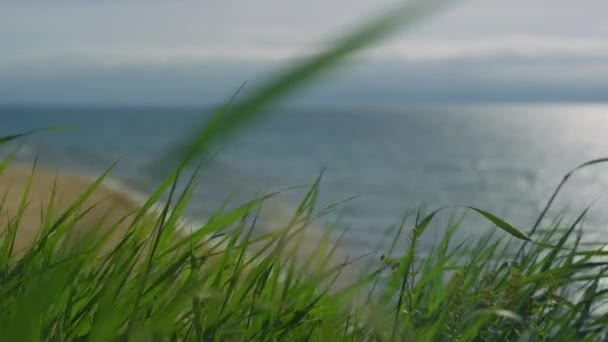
(107,203)
(112,202)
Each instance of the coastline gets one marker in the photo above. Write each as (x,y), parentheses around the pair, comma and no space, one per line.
(118,200)
(108,204)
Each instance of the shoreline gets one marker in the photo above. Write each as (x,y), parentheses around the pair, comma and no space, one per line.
(121,198)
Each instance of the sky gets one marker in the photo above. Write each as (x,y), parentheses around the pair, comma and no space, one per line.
(199,52)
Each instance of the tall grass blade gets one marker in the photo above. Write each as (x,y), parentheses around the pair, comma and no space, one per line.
(228,121)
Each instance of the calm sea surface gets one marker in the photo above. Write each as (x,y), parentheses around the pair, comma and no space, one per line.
(506,159)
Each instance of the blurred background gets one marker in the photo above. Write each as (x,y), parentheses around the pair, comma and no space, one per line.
(488,103)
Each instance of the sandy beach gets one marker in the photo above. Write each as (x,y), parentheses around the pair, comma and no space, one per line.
(111,203)
(106,203)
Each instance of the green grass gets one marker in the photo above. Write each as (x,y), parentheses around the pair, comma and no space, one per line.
(236,286)
(247,288)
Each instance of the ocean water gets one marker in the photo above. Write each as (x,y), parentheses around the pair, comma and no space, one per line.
(503,158)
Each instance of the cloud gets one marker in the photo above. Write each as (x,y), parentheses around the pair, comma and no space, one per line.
(364,82)
(542,48)
(171,52)
(516,46)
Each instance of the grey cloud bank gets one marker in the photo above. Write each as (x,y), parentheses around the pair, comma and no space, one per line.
(386,82)
(199,52)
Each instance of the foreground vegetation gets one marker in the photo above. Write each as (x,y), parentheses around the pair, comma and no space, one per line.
(221,283)
(246,288)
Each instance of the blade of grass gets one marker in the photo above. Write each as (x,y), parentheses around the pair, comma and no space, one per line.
(251,108)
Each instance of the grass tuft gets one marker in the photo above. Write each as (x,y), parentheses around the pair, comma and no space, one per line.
(239,287)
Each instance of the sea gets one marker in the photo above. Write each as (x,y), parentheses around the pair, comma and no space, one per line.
(388,162)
